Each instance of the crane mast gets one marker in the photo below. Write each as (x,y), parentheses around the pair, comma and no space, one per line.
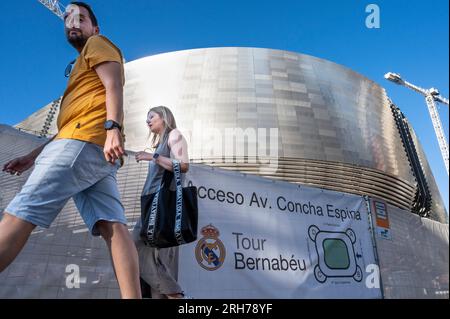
(55,7)
(438,128)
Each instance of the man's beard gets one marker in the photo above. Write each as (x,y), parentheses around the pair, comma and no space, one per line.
(77,41)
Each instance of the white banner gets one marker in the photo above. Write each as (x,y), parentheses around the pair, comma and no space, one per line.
(259,238)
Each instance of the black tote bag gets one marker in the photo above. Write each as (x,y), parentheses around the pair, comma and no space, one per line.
(170,218)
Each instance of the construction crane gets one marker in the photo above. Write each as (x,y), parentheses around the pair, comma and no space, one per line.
(55,7)
(431,97)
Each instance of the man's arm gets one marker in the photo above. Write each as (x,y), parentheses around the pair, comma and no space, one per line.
(110,73)
(35,153)
(20,164)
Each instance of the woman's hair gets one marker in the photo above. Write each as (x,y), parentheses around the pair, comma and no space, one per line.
(169,124)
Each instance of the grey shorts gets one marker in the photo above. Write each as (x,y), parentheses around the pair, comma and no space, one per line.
(67,169)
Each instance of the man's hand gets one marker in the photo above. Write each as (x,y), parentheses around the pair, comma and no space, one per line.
(114,147)
(19,165)
(143,156)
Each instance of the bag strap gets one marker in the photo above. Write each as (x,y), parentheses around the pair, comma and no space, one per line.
(168,175)
(179,202)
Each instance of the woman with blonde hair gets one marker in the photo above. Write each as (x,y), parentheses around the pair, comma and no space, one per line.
(158,266)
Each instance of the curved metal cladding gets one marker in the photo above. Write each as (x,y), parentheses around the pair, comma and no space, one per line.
(438,211)
(316,122)
(329,127)
(306,120)
(335,127)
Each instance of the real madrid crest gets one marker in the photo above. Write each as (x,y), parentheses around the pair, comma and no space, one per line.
(210,251)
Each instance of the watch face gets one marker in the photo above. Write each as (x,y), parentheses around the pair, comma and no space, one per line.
(110,125)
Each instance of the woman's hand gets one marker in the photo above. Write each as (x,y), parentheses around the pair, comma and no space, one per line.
(143,156)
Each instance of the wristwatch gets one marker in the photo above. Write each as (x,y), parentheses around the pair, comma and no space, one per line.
(110,124)
(155,156)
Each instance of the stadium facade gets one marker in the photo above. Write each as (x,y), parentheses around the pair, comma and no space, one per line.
(334,129)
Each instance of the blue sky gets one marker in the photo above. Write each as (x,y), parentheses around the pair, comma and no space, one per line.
(413,40)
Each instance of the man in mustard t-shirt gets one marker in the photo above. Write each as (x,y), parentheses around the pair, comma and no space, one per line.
(81,161)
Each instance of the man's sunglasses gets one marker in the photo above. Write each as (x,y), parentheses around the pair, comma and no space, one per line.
(69,68)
